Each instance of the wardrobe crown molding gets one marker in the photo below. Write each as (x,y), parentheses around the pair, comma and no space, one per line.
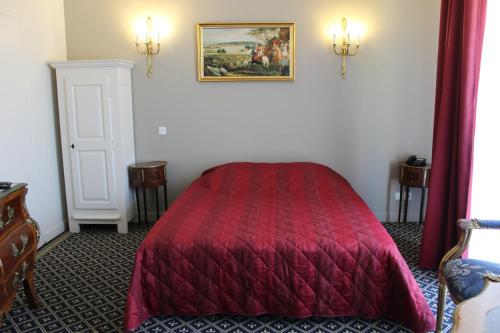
(92,63)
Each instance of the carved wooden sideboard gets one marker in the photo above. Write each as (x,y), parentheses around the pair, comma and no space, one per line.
(19,236)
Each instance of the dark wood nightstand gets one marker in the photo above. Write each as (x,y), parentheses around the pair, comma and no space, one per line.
(148,175)
(412,176)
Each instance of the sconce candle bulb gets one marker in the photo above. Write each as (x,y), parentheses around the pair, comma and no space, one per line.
(146,45)
(345,48)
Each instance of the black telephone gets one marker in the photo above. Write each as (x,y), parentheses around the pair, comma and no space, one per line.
(5,185)
(416,161)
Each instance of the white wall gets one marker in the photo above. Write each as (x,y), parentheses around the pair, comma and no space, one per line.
(32,33)
(360,126)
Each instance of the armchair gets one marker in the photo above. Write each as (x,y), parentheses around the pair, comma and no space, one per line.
(465,278)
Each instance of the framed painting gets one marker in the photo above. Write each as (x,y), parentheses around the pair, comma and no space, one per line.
(246,51)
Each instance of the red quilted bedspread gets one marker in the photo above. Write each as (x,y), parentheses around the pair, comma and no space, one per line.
(289,239)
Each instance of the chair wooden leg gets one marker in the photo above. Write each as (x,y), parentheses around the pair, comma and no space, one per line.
(441,305)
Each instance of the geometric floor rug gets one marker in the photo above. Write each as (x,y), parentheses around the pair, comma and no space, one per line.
(82,281)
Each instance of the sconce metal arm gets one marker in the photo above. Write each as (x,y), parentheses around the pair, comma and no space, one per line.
(148,47)
(345,49)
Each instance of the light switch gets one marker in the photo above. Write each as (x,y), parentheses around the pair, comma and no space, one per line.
(162,131)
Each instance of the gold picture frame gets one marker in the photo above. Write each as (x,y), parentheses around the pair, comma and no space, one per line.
(246,51)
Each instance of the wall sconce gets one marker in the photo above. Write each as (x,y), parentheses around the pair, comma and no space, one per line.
(145,43)
(346,47)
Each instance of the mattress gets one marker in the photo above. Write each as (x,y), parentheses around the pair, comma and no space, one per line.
(286,239)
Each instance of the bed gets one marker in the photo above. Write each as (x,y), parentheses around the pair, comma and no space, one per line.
(286,239)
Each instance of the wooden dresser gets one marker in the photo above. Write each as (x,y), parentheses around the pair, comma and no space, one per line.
(19,236)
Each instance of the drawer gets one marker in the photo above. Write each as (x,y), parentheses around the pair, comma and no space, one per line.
(17,275)
(147,177)
(154,175)
(414,177)
(11,212)
(15,246)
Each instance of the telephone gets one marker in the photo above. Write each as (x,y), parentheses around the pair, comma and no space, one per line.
(416,161)
(5,185)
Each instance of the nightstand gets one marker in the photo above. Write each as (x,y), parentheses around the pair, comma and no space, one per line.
(148,175)
(412,176)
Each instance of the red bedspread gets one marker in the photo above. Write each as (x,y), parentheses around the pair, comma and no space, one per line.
(290,239)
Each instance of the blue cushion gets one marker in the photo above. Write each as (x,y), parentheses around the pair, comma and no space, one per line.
(465,277)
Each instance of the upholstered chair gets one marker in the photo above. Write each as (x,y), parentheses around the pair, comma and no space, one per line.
(464,278)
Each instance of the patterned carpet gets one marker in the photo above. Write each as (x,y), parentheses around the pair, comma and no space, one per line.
(82,282)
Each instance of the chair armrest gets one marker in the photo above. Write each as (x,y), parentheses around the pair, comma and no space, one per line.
(492,277)
(478,224)
(463,242)
(466,227)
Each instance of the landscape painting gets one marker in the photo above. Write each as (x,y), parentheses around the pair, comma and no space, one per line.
(246,51)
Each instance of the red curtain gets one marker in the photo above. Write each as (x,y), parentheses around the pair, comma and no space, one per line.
(459,57)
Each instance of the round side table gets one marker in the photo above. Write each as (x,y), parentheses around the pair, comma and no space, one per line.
(148,175)
(412,176)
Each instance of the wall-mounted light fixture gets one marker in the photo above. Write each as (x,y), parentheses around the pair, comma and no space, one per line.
(348,44)
(148,42)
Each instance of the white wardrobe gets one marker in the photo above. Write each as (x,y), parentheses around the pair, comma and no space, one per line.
(97,139)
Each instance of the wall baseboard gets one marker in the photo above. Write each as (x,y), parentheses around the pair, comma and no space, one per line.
(151,216)
(393,217)
(52,233)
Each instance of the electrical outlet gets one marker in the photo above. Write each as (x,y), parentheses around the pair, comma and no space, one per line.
(397,196)
(162,131)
